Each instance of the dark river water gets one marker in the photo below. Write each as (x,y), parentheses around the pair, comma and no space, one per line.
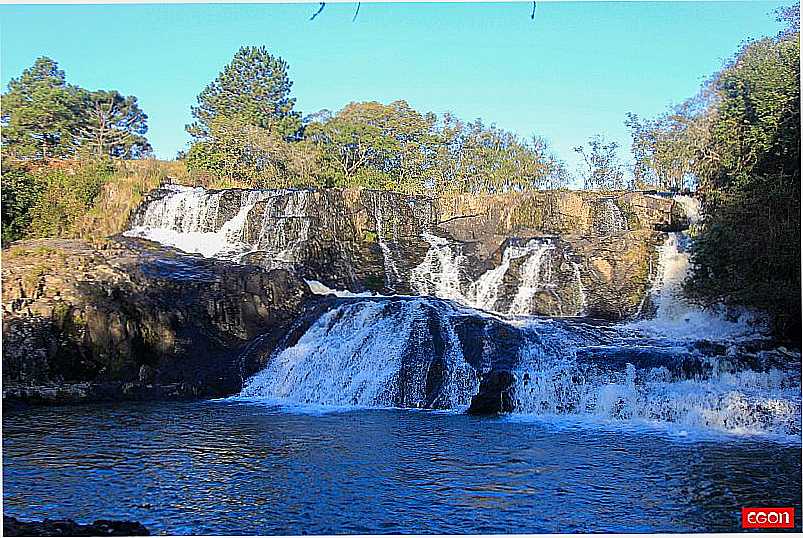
(239,468)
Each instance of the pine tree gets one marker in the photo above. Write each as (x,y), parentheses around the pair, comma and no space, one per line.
(113,125)
(254,88)
(40,113)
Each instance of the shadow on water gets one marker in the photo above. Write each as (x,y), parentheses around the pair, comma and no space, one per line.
(236,468)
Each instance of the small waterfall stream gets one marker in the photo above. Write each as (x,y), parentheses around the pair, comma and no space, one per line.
(676,315)
(442,274)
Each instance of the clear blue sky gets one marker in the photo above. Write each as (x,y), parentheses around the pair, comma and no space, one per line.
(572,72)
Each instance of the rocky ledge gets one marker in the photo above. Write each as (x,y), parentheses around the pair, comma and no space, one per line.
(126,319)
(67,527)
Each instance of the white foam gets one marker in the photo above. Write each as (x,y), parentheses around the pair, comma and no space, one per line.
(366,354)
(319,288)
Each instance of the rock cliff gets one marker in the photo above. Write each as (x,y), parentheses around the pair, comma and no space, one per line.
(130,318)
(124,320)
(596,260)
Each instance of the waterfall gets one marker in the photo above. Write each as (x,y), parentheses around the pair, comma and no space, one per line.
(536,275)
(691,206)
(609,218)
(427,353)
(485,291)
(272,223)
(391,268)
(188,218)
(285,226)
(439,273)
(581,291)
(675,315)
(384,353)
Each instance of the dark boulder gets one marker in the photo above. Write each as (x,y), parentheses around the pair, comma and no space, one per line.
(495,395)
(67,527)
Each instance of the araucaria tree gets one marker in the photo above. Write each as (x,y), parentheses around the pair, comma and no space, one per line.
(113,125)
(254,88)
(44,117)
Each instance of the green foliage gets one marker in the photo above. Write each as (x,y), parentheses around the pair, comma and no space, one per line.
(40,113)
(375,145)
(756,130)
(246,131)
(665,150)
(21,191)
(739,141)
(46,201)
(43,117)
(255,88)
(748,250)
(237,151)
(603,169)
(395,147)
(68,195)
(475,158)
(113,125)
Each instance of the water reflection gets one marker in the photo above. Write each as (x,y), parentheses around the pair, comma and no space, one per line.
(234,468)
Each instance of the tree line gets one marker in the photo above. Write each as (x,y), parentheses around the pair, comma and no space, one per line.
(738,142)
(247,129)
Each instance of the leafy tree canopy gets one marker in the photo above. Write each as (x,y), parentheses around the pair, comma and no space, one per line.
(603,169)
(739,141)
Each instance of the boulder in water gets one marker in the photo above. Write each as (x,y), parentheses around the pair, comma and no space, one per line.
(67,527)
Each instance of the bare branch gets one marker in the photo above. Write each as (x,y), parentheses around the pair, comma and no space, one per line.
(320,8)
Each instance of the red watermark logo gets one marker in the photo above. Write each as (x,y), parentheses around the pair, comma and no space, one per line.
(768,518)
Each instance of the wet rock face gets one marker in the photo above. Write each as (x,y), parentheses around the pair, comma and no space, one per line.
(387,352)
(67,527)
(394,243)
(128,320)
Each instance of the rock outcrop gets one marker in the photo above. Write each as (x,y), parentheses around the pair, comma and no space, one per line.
(126,320)
(133,319)
(67,527)
(598,261)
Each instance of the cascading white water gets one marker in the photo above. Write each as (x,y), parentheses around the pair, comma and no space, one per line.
(186,218)
(392,272)
(369,353)
(441,274)
(438,274)
(736,402)
(675,315)
(536,275)
(285,226)
(609,218)
(581,290)
(485,291)
(382,352)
